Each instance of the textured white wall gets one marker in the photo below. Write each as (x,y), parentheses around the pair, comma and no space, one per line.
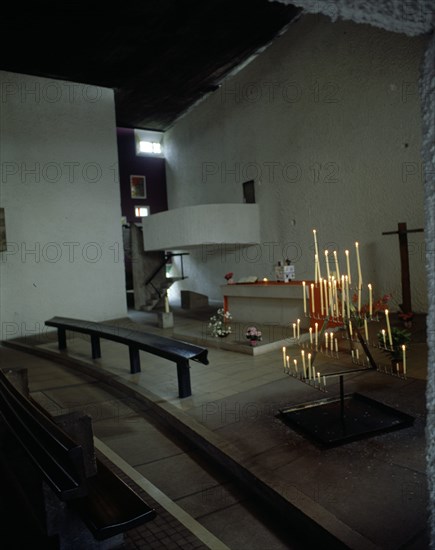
(327,122)
(60,191)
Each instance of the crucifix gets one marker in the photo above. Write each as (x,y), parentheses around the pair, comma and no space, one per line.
(403,231)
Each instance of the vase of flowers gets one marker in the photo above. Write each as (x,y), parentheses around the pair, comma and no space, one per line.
(218,324)
(229,277)
(395,352)
(253,334)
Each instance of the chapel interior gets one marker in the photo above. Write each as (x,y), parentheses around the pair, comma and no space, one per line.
(216,275)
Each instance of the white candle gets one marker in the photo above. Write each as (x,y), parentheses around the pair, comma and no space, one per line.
(350,328)
(343,297)
(299,328)
(327,265)
(370,300)
(304,370)
(288,364)
(324,381)
(347,296)
(348,265)
(316,333)
(366,329)
(318,377)
(336,298)
(404,358)
(332,341)
(294,331)
(312,298)
(326,340)
(303,358)
(321,296)
(390,337)
(309,365)
(325,286)
(336,345)
(359,265)
(295,362)
(383,338)
(305,296)
(316,250)
(166,304)
(337,268)
(357,354)
(359,299)
(283,356)
(316,267)
(331,302)
(311,335)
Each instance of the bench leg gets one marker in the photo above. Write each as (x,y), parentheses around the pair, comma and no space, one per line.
(96,349)
(61,338)
(183,374)
(134,360)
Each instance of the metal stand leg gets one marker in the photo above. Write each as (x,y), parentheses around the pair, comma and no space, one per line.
(61,338)
(96,349)
(134,360)
(183,374)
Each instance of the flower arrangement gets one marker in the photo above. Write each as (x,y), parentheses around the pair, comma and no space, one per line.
(229,277)
(218,324)
(377,307)
(252,333)
(399,337)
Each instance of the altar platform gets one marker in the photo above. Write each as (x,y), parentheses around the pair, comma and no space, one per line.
(369,494)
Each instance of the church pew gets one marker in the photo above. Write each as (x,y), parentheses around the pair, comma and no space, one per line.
(62,483)
(174,350)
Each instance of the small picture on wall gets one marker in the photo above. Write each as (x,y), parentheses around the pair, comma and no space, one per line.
(138,187)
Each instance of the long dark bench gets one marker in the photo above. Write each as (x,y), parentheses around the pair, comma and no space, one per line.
(94,496)
(174,350)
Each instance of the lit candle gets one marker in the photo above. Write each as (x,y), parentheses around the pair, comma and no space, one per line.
(324,381)
(318,377)
(283,357)
(295,362)
(332,341)
(327,265)
(316,250)
(390,337)
(299,329)
(294,331)
(350,328)
(370,300)
(347,296)
(321,296)
(384,338)
(404,358)
(309,365)
(331,302)
(336,298)
(316,334)
(336,345)
(337,269)
(348,265)
(316,267)
(325,286)
(303,359)
(312,298)
(326,340)
(366,329)
(311,335)
(359,265)
(304,370)
(343,296)
(305,296)
(288,364)
(359,299)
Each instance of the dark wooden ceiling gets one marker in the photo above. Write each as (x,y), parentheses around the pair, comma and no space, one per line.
(159,56)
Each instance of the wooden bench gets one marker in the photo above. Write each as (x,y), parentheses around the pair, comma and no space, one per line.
(92,501)
(174,350)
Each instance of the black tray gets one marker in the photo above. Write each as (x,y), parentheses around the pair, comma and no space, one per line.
(336,421)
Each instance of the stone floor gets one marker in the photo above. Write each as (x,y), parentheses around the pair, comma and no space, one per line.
(224,464)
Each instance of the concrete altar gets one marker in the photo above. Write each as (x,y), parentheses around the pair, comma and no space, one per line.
(271,302)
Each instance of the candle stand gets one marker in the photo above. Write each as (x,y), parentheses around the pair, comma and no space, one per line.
(335,421)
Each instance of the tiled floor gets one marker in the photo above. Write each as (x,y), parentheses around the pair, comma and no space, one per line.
(215,455)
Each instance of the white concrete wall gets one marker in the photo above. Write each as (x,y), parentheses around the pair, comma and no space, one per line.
(60,192)
(327,122)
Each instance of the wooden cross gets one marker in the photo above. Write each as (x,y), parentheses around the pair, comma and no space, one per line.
(402,231)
